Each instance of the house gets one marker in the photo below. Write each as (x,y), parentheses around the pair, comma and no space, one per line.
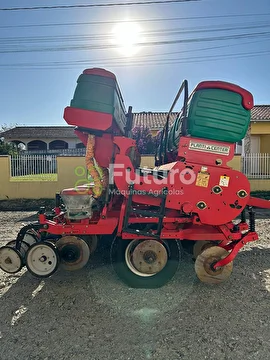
(43,138)
(62,138)
(260,130)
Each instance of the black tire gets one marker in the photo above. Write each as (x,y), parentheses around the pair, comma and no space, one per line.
(117,254)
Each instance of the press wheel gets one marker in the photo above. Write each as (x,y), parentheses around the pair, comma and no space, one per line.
(11,260)
(204,266)
(42,259)
(200,246)
(145,263)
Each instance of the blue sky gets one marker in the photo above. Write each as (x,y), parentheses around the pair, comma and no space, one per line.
(36,86)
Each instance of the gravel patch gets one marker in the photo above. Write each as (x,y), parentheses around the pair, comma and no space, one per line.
(90,314)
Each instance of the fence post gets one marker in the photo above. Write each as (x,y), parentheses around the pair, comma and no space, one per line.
(27,165)
(256,165)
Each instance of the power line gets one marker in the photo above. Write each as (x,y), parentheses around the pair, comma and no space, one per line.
(194,59)
(138,56)
(148,2)
(133,20)
(106,36)
(148,43)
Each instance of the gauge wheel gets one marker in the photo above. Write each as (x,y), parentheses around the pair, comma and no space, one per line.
(204,266)
(42,259)
(11,260)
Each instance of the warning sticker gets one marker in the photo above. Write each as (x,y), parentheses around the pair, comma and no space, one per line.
(224,181)
(202,179)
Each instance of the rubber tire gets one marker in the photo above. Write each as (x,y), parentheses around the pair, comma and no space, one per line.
(118,262)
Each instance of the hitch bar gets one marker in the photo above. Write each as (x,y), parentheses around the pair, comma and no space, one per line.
(259,203)
(251,236)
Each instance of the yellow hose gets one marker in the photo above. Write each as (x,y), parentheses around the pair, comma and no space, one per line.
(100,175)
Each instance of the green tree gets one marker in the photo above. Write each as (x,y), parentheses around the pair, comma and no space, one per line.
(7,148)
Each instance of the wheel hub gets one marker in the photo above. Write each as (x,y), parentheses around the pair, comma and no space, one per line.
(70,253)
(149,257)
(74,252)
(8,261)
(209,266)
(43,258)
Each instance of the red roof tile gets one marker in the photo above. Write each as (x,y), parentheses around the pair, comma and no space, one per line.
(260,112)
(153,120)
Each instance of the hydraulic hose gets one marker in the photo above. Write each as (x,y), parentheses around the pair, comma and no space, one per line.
(99,175)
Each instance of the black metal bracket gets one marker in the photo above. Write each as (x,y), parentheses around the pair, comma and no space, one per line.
(164,138)
(251,213)
(147,213)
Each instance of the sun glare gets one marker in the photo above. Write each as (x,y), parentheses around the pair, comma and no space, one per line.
(126,36)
